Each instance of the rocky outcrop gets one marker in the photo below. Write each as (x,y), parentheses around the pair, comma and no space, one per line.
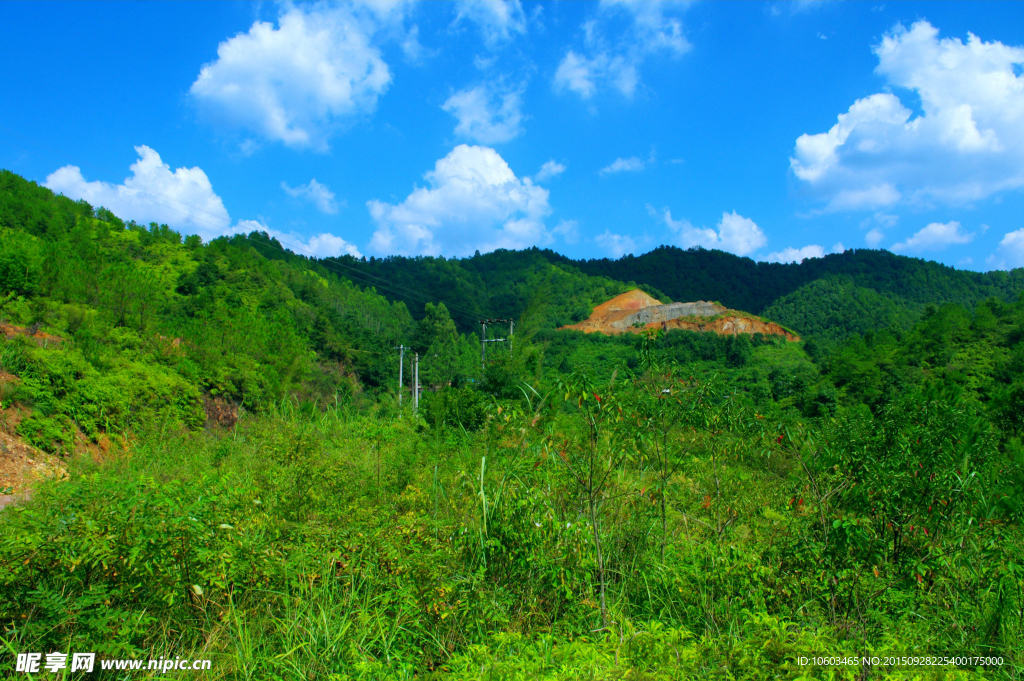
(659,314)
(606,315)
(635,311)
(730,325)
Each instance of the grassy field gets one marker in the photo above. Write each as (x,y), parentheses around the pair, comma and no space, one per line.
(642,535)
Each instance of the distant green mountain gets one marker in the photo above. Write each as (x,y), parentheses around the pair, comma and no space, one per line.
(834,307)
(55,248)
(743,284)
(499,284)
(830,297)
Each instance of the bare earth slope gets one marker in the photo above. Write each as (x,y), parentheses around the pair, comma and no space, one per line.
(634,311)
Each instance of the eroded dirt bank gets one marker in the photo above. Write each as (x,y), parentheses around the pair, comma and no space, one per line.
(634,311)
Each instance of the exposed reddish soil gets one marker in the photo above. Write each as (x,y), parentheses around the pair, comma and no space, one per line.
(220,412)
(33,332)
(634,311)
(22,465)
(615,310)
(731,325)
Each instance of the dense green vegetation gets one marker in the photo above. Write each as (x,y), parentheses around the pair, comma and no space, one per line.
(500,284)
(658,506)
(743,284)
(828,298)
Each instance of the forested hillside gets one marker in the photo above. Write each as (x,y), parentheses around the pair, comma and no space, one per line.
(744,284)
(501,284)
(239,316)
(231,473)
(830,297)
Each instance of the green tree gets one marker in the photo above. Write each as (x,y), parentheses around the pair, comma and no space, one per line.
(437,341)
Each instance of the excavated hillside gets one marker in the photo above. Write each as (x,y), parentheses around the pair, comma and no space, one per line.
(635,311)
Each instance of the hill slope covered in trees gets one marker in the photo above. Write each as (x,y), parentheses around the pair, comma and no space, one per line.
(830,297)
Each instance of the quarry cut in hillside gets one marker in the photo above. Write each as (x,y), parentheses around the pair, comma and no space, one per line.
(634,311)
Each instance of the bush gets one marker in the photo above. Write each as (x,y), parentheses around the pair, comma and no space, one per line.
(458,407)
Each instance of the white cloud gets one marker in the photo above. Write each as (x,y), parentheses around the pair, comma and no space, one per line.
(411,46)
(878,222)
(550,169)
(621,165)
(322,245)
(318,194)
(498,21)
(616,62)
(617,245)
(568,230)
(798,255)
(652,30)
(794,7)
(883,220)
(485,116)
(183,199)
(967,144)
(878,196)
(299,82)
(581,74)
(474,202)
(576,73)
(838,247)
(736,234)
(1010,253)
(935,237)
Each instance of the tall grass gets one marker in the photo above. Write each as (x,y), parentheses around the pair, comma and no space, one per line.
(321,543)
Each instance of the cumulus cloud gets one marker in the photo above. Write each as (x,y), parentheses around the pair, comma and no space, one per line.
(498,21)
(615,61)
(736,234)
(878,222)
(486,116)
(316,193)
(324,245)
(967,144)
(474,202)
(550,169)
(882,220)
(582,75)
(617,245)
(869,198)
(798,255)
(935,237)
(1010,252)
(298,82)
(183,199)
(623,165)
(568,231)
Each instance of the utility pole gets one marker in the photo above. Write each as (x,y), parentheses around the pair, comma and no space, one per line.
(401,363)
(416,395)
(483,335)
(484,339)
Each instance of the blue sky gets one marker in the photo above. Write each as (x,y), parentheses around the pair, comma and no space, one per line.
(772,130)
